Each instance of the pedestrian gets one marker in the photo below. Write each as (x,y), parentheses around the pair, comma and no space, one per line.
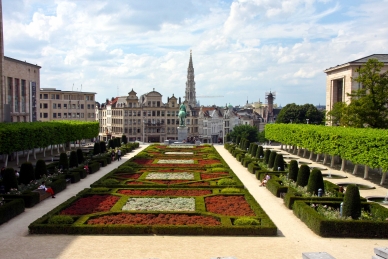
(118,155)
(112,155)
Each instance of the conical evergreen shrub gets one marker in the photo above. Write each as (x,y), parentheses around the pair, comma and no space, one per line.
(260,152)
(117,142)
(102,146)
(254,149)
(80,156)
(271,159)
(293,170)
(352,202)
(124,139)
(111,144)
(266,156)
(238,139)
(315,182)
(303,175)
(9,179)
(63,161)
(279,163)
(26,174)
(40,169)
(96,149)
(73,161)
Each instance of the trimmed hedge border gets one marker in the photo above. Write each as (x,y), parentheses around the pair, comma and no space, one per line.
(11,209)
(342,228)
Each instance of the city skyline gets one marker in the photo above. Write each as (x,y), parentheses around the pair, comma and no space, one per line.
(241,49)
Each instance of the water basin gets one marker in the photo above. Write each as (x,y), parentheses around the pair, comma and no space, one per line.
(378,199)
(334,176)
(360,186)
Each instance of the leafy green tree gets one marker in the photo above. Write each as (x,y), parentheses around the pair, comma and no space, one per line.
(293,113)
(267,153)
(352,202)
(337,115)
(26,174)
(245,131)
(103,146)
(261,137)
(40,169)
(260,152)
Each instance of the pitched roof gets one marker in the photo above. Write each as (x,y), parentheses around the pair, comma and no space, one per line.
(380,57)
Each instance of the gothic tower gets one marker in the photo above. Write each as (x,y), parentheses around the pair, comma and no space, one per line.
(190,85)
(1,64)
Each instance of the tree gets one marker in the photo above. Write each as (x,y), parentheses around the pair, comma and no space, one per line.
(303,175)
(279,163)
(80,156)
(26,174)
(271,159)
(352,202)
(245,131)
(293,113)
(315,182)
(73,161)
(96,149)
(102,147)
(63,161)
(293,170)
(40,169)
(337,115)
(9,179)
(124,139)
(261,137)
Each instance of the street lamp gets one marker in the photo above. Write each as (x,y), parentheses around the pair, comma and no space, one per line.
(307,121)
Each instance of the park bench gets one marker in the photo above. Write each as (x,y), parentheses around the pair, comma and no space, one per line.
(42,194)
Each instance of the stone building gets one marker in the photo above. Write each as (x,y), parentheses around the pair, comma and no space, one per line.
(66,105)
(340,79)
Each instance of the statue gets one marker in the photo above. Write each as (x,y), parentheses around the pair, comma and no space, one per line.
(182,115)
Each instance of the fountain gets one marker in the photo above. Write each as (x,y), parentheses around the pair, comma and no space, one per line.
(385,201)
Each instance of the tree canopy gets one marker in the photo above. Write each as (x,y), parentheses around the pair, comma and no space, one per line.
(293,113)
(245,131)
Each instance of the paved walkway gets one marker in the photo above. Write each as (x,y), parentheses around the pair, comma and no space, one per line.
(293,238)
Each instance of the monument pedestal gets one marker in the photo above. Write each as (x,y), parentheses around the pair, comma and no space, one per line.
(182,133)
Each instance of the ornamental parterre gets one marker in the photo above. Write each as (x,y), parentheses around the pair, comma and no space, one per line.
(160,204)
(175,161)
(170,176)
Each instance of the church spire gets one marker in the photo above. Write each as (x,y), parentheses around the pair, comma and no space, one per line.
(190,84)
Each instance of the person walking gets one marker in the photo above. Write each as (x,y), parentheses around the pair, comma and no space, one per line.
(118,155)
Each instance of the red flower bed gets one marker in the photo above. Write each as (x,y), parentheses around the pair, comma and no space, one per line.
(229,205)
(208,161)
(128,176)
(168,181)
(210,176)
(143,161)
(168,192)
(136,183)
(152,219)
(91,204)
(199,184)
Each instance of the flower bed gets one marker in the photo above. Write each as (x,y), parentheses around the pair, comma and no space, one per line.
(179,153)
(168,176)
(175,161)
(91,204)
(167,192)
(229,205)
(160,204)
(210,176)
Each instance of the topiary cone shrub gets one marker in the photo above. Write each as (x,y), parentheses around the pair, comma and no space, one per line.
(254,149)
(266,156)
(279,163)
(40,169)
(9,179)
(96,149)
(73,161)
(271,159)
(80,156)
(102,146)
(124,139)
(293,170)
(352,202)
(260,152)
(303,175)
(238,139)
(26,174)
(63,161)
(315,182)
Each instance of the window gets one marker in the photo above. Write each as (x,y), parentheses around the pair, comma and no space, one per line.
(57,97)
(45,96)
(158,113)
(65,106)
(45,115)
(153,113)
(149,103)
(53,96)
(158,104)
(82,106)
(45,106)
(54,115)
(163,113)
(73,106)
(153,104)
(54,105)
(59,115)
(66,97)
(65,115)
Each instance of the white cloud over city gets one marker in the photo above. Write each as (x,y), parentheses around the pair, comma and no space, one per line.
(241,49)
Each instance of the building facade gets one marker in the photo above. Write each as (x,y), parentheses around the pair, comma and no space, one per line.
(66,105)
(340,79)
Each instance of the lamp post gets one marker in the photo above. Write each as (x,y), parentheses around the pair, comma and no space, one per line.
(307,121)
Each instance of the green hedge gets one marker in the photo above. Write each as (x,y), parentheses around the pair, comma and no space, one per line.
(253,167)
(342,228)
(74,176)
(29,198)
(94,167)
(11,209)
(275,187)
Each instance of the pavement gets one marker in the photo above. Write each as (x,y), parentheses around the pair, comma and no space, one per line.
(293,238)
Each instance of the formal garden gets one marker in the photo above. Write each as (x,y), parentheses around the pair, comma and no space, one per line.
(165,189)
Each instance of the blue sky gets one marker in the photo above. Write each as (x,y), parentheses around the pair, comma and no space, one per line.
(241,49)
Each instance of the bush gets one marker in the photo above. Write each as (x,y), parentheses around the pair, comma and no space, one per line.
(293,170)
(110,181)
(315,182)
(60,219)
(73,159)
(303,175)
(99,189)
(230,190)
(226,181)
(254,149)
(11,209)
(9,179)
(271,159)
(260,152)
(80,156)
(102,146)
(244,221)
(279,163)
(352,202)
(96,149)
(26,174)
(266,156)
(124,139)
(63,162)
(94,167)
(40,169)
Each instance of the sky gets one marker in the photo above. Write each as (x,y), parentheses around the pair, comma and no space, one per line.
(241,49)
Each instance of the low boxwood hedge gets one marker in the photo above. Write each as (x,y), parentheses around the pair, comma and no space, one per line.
(342,228)
(275,187)
(253,167)
(74,176)
(11,209)
(29,198)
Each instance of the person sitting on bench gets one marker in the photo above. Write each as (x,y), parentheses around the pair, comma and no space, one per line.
(49,190)
(265,180)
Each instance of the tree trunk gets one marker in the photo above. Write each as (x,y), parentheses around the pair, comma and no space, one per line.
(304,152)
(51,150)
(343,163)
(332,161)
(64,147)
(34,152)
(28,155)
(58,148)
(311,155)
(324,159)
(366,171)
(383,178)
(298,154)
(316,160)
(17,158)
(355,169)
(44,152)
(281,146)
(6,160)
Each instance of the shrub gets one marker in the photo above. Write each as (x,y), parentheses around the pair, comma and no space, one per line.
(109,181)
(303,176)
(238,139)
(260,152)
(230,190)
(100,189)
(40,169)
(60,219)
(96,149)
(102,146)
(73,159)
(226,181)
(26,174)
(315,182)
(63,161)
(80,156)
(124,139)
(279,163)
(243,221)
(271,159)
(266,156)
(352,202)
(293,170)
(9,179)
